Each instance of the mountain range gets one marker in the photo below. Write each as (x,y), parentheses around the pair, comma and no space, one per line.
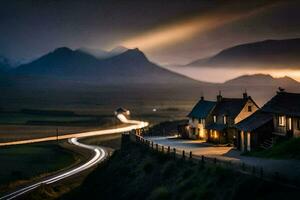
(264,54)
(123,66)
(76,77)
(129,67)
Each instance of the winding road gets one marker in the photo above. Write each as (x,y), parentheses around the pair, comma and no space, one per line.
(99,153)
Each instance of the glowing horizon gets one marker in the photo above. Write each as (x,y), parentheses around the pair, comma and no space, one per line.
(217,75)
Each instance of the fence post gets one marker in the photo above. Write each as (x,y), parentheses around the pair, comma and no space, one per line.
(215,160)
(156,146)
(202,159)
(243,166)
(152,144)
(174,151)
(191,156)
(168,149)
(253,170)
(162,149)
(183,154)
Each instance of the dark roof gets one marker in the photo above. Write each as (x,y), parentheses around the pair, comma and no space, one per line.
(202,109)
(254,121)
(121,110)
(218,127)
(284,103)
(230,106)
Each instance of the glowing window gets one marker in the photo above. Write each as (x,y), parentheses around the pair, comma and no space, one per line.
(281,120)
(215,134)
(224,119)
(289,123)
(215,118)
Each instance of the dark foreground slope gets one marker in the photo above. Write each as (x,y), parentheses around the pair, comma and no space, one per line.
(134,173)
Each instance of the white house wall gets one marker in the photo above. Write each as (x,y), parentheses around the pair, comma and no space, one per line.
(244,112)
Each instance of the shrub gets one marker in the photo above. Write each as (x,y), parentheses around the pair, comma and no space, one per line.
(160,193)
(148,167)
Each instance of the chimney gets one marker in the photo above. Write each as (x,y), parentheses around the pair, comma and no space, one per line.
(219,97)
(245,95)
(280,90)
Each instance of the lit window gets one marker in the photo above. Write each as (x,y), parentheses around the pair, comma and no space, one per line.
(249,108)
(224,119)
(281,120)
(215,118)
(215,134)
(201,121)
(289,123)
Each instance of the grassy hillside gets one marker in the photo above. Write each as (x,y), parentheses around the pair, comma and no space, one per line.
(135,173)
(22,163)
(289,149)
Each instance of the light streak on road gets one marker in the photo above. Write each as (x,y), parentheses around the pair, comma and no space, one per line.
(121,117)
(99,153)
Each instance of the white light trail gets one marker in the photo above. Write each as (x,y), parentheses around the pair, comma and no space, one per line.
(99,153)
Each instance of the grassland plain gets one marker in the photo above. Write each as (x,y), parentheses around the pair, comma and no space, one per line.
(25,163)
(19,125)
(134,172)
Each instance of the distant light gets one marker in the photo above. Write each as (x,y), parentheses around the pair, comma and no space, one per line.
(154,109)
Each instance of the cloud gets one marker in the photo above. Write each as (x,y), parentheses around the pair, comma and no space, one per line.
(184,29)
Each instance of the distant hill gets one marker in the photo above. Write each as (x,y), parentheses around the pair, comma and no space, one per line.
(267,54)
(129,67)
(262,80)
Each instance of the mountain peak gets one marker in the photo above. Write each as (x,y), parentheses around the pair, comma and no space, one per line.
(62,50)
(133,53)
(118,50)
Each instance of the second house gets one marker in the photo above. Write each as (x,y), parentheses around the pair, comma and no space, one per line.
(215,121)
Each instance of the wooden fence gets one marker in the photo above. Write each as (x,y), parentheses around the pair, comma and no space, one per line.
(244,168)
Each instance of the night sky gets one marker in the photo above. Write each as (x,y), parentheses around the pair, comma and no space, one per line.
(168,31)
